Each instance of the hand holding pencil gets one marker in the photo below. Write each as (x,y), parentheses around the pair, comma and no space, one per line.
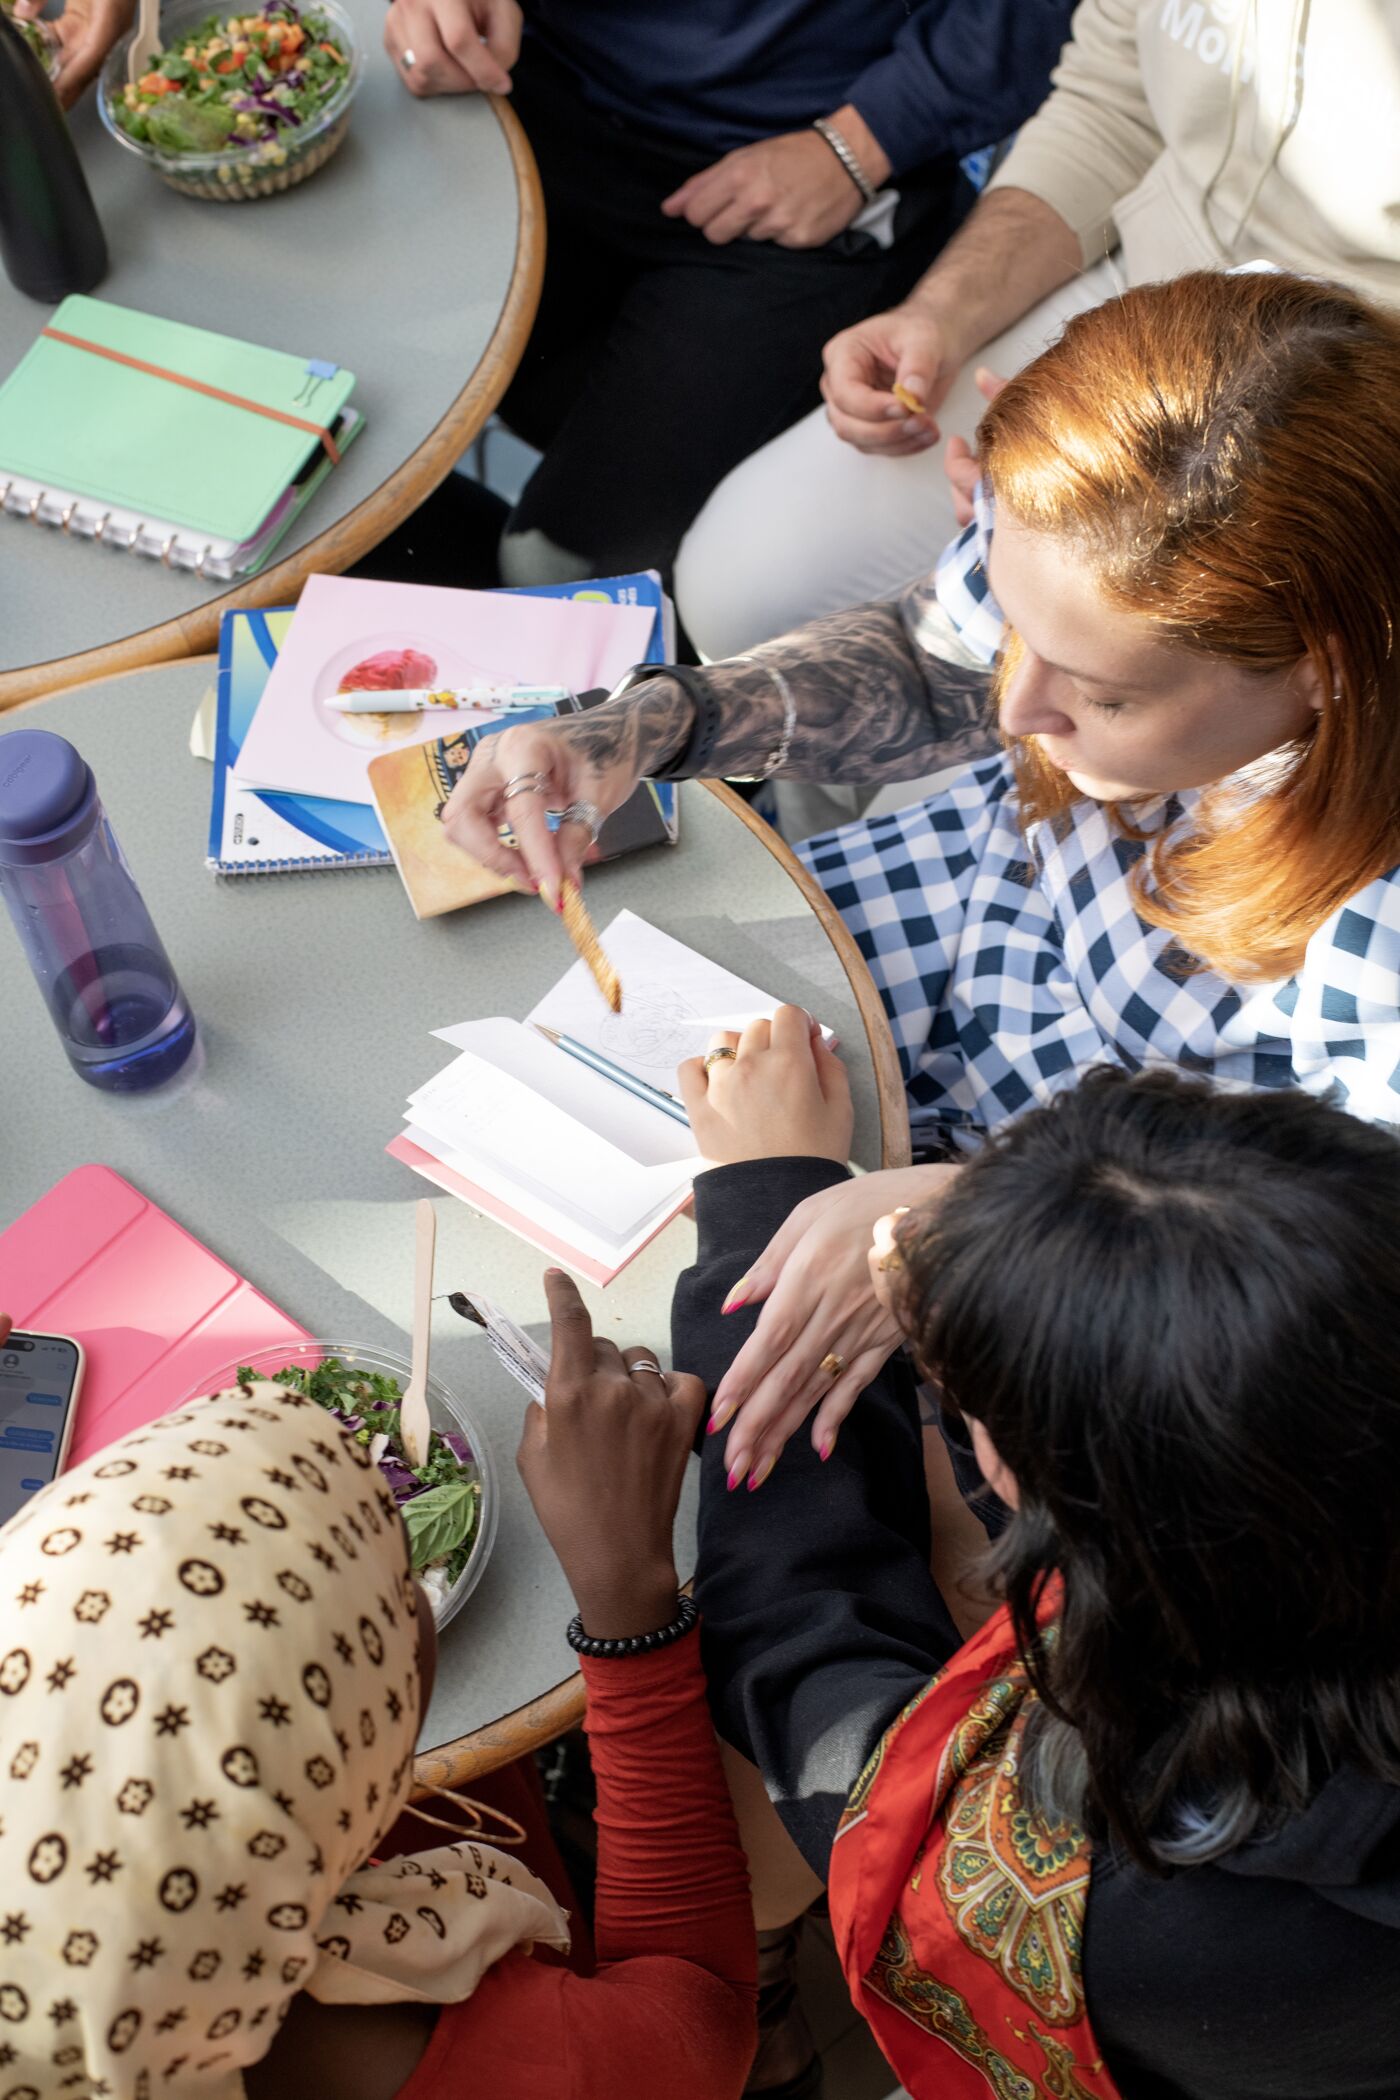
(518,774)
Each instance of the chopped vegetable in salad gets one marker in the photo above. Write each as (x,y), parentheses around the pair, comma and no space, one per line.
(38,36)
(440,1502)
(237,80)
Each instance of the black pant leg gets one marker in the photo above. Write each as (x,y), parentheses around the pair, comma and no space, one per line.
(659,361)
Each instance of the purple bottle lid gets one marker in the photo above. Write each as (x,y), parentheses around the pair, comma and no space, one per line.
(48,798)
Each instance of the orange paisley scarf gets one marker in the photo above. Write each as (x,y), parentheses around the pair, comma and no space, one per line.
(958,1910)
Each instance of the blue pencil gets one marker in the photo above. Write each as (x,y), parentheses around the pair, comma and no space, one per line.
(606,1069)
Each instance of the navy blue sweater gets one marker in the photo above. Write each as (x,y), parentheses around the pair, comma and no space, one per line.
(930,77)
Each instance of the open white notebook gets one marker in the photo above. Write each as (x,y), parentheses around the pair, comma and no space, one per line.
(574,1163)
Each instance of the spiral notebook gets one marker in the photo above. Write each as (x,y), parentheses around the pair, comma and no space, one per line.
(258,831)
(156,438)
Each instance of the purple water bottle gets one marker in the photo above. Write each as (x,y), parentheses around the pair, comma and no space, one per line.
(105,977)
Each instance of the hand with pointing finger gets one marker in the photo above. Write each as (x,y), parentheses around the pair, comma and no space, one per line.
(603,1462)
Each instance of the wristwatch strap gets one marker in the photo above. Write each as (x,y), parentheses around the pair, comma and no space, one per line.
(692,761)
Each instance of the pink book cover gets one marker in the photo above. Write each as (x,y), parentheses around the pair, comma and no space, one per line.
(157,1314)
(349,635)
(444,1177)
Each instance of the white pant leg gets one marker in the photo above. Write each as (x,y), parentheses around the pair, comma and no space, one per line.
(808,524)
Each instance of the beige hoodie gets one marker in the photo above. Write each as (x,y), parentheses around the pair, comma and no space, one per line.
(1198,133)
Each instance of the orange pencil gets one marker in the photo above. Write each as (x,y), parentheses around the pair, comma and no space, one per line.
(583,934)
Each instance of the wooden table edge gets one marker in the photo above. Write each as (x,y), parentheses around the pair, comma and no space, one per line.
(553,1713)
(331,552)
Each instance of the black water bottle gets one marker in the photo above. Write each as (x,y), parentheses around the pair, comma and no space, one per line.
(51,239)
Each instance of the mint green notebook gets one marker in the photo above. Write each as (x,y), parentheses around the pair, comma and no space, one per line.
(72,420)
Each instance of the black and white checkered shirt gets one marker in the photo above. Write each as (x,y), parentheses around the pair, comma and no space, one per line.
(1010,962)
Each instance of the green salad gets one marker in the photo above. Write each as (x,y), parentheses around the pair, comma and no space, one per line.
(39,36)
(239,81)
(440,1502)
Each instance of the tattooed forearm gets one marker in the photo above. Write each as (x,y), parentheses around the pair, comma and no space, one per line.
(873,701)
(875,697)
(642,731)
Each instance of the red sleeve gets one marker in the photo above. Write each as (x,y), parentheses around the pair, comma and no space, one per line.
(674,2005)
(536,2033)
(672,1877)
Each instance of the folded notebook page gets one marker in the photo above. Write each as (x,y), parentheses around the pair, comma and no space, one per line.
(128,438)
(571,1160)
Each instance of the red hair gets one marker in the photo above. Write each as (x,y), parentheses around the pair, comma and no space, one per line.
(1225,453)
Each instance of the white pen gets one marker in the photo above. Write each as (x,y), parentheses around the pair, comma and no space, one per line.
(421,699)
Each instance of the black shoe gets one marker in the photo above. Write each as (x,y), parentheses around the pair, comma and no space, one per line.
(786,2065)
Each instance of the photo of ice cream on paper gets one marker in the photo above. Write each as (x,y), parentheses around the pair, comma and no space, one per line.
(384,663)
(350,634)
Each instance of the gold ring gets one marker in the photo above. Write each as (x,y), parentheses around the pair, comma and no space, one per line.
(832,1364)
(714,1057)
(893,1260)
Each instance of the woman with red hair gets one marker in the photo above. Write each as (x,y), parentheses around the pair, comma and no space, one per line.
(1186,855)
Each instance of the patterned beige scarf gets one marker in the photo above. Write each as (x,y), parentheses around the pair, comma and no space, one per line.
(208,1705)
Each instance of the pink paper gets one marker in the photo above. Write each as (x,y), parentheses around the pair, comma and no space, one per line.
(298,744)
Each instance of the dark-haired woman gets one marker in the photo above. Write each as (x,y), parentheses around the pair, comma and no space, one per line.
(1141,1835)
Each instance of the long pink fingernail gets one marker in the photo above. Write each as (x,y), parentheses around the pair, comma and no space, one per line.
(736,1473)
(825,1448)
(761,1472)
(738,1295)
(722,1414)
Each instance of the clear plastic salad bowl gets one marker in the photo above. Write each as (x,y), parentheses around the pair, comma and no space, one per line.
(235,173)
(445,1412)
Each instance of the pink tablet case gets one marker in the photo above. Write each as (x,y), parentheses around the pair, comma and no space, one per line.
(157,1313)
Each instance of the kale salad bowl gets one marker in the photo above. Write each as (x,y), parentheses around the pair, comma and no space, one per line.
(237,106)
(450,1505)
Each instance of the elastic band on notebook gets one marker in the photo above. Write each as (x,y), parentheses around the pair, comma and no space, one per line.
(197,386)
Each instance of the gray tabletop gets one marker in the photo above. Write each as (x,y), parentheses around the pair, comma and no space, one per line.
(315,996)
(394,261)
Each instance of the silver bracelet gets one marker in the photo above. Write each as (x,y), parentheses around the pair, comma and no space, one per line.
(778,756)
(846,157)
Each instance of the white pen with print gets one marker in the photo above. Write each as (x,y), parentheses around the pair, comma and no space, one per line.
(448,699)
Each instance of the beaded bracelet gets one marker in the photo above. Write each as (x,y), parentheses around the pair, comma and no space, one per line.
(634,1644)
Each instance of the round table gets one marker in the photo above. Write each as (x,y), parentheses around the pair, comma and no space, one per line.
(414,260)
(315,996)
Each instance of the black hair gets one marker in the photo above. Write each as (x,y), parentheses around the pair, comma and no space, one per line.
(1173,1310)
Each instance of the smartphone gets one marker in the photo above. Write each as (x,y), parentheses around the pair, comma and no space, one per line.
(41,1376)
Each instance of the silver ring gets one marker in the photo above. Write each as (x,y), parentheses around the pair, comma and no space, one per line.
(407,61)
(526,784)
(647,1365)
(714,1057)
(583,813)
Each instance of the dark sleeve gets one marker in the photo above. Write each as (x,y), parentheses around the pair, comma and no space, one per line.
(821,1619)
(961,74)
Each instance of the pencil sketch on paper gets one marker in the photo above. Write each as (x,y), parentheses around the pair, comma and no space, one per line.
(656,1028)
